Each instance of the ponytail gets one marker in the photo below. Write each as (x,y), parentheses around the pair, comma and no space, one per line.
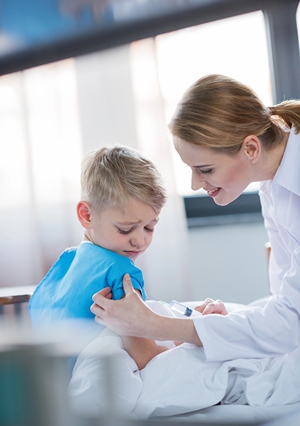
(289,112)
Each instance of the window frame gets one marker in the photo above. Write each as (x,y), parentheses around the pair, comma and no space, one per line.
(201,210)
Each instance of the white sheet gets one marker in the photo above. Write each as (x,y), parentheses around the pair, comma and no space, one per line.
(231,415)
(176,382)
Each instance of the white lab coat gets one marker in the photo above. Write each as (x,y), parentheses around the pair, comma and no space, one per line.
(274,328)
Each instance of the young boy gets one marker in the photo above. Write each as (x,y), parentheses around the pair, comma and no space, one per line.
(121,199)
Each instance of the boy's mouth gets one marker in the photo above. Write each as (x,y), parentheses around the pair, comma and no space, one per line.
(133,253)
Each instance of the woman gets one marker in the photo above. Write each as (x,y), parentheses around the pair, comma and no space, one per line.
(229,139)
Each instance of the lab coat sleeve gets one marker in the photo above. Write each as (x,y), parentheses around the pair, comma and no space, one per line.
(256,331)
(280,257)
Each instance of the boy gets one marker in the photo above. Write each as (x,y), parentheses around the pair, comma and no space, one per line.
(121,199)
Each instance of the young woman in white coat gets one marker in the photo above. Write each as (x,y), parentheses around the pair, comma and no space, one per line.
(229,139)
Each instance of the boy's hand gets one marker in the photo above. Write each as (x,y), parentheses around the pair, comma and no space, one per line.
(210,306)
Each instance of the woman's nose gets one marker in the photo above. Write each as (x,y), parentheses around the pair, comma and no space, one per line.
(197,182)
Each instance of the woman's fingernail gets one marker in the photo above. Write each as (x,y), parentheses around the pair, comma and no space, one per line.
(127,277)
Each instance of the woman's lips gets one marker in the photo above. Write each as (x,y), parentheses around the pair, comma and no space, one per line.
(213,192)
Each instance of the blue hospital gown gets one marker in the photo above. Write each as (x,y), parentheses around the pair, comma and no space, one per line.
(67,289)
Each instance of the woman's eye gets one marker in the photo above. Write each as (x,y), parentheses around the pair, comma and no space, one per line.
(206,171)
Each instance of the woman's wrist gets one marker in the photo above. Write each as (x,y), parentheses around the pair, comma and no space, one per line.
(175,329)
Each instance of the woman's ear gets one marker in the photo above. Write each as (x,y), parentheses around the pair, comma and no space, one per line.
(83,210)
(252,148)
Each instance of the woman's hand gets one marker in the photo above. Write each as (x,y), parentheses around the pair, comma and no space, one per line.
(210,306)
(128,316)
(106,292)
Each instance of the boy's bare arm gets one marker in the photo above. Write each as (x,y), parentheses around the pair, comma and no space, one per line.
(142,350)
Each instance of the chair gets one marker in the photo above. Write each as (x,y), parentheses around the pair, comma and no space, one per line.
(16,297)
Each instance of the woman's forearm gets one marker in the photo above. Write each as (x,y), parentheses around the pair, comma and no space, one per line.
(175,329)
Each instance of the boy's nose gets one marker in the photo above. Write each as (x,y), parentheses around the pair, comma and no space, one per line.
(137,239)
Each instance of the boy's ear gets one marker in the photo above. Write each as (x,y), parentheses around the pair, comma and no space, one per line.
(83,210)
(252,148)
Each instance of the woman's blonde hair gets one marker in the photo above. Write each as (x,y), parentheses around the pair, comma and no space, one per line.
(110,175)
(219,112)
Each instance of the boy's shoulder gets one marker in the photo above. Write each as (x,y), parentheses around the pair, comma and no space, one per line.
(95,250)
(66,257)
(72,249)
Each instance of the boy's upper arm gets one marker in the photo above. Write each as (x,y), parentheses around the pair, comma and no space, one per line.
(115,279)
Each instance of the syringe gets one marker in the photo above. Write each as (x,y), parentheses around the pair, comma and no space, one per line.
(183,310)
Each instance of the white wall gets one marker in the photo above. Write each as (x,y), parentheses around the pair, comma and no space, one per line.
(229,262)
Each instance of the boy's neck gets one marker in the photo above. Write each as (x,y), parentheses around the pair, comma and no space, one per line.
(87,238)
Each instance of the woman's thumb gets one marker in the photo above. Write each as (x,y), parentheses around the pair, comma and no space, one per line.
(127,283)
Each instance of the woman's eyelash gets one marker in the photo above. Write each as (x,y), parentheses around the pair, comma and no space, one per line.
(206,171)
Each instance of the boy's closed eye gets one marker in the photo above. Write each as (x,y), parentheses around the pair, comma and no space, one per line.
(125,232)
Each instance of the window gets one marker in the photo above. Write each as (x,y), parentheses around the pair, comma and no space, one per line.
(39,165)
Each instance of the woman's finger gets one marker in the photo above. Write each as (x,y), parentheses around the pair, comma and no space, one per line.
(105,292)
(200,308)
(215,307)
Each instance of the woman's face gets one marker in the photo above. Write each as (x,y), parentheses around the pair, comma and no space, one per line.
(224,177)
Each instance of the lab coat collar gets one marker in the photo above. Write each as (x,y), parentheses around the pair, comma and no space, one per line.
(288,173)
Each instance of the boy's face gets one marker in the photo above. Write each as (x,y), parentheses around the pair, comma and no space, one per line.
(127,231)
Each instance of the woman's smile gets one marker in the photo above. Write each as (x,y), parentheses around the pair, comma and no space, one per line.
(213,192)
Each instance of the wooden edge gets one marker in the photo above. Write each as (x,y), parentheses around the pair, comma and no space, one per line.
(11,300)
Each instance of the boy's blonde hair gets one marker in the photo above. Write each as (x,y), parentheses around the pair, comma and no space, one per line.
(112,174)
(219,112)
